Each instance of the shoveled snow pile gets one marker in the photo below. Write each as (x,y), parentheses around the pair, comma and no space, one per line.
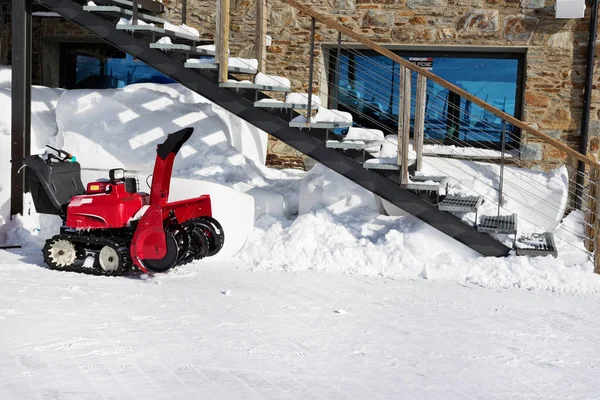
(5,77)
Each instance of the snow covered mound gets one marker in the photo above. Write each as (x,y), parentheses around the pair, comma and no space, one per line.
(122,127)
(5,76)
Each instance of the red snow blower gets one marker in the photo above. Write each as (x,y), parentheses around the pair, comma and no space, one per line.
(110,227)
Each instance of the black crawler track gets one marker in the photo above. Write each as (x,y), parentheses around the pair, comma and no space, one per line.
(84,243)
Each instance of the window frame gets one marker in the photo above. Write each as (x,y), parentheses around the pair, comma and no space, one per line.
(519,54)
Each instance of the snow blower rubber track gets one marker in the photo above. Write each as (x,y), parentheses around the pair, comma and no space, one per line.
(84,245)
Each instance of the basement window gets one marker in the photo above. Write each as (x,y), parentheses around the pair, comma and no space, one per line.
(368,87)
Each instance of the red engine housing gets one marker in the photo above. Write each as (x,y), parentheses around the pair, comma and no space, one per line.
(112,209)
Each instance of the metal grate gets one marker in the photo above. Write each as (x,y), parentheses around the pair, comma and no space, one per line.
(536,244)
(502,224)
(426,183)
(455,203)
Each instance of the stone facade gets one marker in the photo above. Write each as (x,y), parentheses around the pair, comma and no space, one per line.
(555,61)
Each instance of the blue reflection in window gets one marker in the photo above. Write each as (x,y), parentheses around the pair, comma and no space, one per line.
(112,73)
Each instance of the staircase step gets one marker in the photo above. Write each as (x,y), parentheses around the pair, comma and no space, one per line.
(320,125)
(503,224)
(536,244)
(212,66)
(119,11)
(353,144)
(255,86)
(150,5)
(384,163)
(184,48)
(280,104)
(426,183)
(454,203)
(150,29)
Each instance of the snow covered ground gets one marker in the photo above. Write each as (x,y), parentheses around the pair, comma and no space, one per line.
(321,296)
(210,330)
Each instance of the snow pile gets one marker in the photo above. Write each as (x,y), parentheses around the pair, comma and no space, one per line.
(5,76)
(125,21)
(340,229)
(186,30)
(272,80)
(302,98)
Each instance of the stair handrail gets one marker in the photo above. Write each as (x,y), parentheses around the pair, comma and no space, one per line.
(330,23)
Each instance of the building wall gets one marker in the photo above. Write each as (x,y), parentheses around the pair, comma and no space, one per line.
(556,48)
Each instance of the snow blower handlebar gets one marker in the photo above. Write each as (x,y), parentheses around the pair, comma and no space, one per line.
(163,167)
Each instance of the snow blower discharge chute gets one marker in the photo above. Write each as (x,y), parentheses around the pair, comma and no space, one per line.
(110,227)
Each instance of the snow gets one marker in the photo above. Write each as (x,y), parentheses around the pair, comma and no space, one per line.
(213,331)
(164,40)
(302,98)
(5,76)
(125,21)
(187,30)
(271,80)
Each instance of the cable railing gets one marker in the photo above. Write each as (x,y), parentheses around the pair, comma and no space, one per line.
(409,120)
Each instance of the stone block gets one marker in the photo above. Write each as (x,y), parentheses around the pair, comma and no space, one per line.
(531,151)
(478,21)
(561,40)
(415,4)
(374,18)
(594,129)
(519,28)
(534,4)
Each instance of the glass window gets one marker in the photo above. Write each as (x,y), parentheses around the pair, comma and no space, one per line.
(107,71)
(369,88)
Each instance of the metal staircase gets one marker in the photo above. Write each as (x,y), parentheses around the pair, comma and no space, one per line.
(422,196)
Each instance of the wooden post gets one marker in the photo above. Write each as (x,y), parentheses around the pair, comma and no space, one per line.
(261,34)
(404,123)
(420,119)
(223,48)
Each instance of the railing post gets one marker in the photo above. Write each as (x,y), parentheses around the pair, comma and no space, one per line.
(592,217)
(311,68)
(20,137)
(420,119)
(404,123)
(336,89)
(261,34)
(223,48)
(597,224)
(183,11)
(134,15)
(501,184)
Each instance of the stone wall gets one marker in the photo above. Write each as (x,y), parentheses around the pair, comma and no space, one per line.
(556,49)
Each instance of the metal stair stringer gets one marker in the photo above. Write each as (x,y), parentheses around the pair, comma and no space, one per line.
(242,104)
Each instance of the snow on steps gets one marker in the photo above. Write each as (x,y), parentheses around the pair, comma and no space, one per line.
(324,119)
(165,44)
(271,83)
(173,32)
(235,64)
(296,101)
(369,140)
(123,11)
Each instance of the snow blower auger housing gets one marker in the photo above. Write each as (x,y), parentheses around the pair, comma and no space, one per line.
(110,227)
